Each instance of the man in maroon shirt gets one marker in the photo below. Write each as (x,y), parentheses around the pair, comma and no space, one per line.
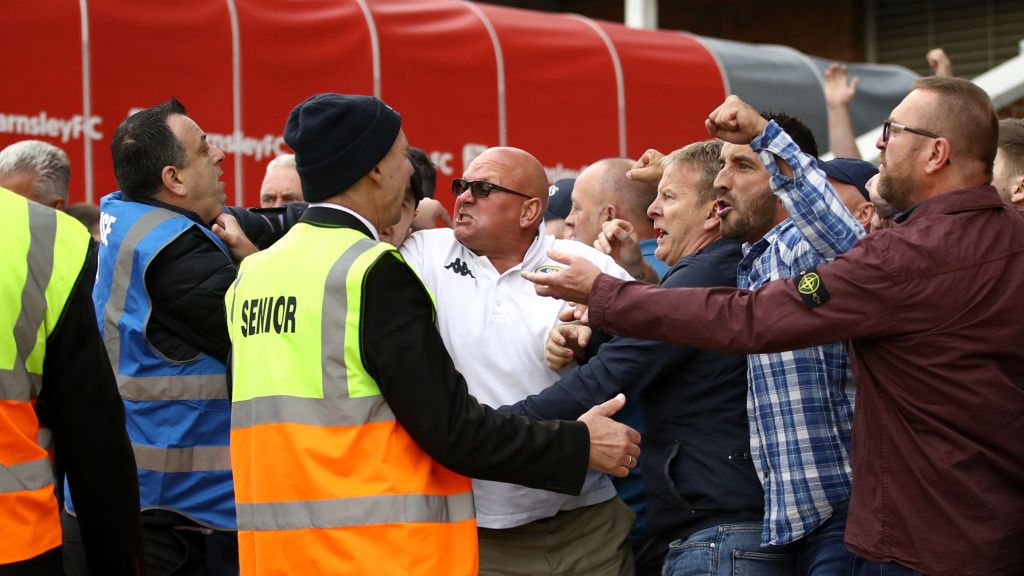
(931,311)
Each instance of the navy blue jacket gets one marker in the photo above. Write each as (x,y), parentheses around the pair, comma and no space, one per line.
(695,456)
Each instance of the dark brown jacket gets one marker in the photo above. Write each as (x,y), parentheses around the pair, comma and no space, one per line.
(934,312)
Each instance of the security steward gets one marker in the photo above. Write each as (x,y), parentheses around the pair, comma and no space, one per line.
(55,377)
(352,433)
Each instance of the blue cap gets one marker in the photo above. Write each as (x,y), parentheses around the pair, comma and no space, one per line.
(560,199)
(850,171)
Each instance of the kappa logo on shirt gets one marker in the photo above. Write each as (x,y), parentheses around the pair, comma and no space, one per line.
(459,267)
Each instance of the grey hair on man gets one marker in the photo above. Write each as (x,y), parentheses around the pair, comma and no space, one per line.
(703,156)
(282,161)
(36,170)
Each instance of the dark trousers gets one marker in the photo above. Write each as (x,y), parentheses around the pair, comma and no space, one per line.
(46,564)
(174,546)
(649,554)
(862,567)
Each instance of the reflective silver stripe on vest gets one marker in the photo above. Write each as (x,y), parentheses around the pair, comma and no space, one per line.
(332,325)
(202,387)
(346,512)
(18,384)
(313,411)
(336,408)
(192,459)
(26,476)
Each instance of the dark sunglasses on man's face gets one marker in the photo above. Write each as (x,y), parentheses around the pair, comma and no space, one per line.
(479,188)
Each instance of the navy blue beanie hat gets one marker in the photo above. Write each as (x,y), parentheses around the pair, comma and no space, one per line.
(337,140)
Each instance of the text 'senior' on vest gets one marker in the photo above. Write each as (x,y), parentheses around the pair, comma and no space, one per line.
(327,481)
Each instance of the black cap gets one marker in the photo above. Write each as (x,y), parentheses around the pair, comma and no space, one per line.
(338,139)
(560,199)
(850,171)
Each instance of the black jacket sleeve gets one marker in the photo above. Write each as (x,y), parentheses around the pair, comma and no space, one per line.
(187,281)
(403,351)
(627,365)
(262,229)
(264,226)
(86,414)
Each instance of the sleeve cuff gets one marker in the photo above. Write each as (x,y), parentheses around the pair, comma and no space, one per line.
(766,138)
(577,466)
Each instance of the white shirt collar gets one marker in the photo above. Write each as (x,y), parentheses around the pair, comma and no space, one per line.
(370,227)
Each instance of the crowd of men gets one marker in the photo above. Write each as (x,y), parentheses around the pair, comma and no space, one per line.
(823,358)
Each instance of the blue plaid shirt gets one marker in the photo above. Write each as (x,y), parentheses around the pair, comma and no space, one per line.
(799,403)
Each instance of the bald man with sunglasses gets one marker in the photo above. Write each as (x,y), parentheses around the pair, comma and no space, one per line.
(495,327)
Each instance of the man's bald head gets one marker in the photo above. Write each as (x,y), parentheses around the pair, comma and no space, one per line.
(518,169)
(504,223)
(602,193)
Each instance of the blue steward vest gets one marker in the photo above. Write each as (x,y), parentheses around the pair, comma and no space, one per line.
(178,414)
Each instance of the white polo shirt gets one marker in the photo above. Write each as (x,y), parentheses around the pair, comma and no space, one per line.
(495,328)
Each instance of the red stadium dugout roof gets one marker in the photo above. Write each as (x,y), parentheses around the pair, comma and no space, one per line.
(465,76)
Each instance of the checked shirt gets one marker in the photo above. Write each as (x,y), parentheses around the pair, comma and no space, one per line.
(800,402)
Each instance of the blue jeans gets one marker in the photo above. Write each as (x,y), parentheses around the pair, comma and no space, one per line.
(823,552)
(862,567)
(726,550)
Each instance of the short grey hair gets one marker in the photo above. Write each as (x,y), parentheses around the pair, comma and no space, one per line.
(49,163)
(704,157)
(282,161)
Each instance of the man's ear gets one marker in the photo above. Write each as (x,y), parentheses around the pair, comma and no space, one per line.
(172,181)
(608,213)
(711,219)
(530,214)
(865,214)
(939,155)
(1017,189)
(377,174)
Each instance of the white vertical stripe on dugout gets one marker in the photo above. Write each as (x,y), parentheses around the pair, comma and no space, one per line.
(620,86)
(236,101)
(371,26)
(83,9)
(499,59)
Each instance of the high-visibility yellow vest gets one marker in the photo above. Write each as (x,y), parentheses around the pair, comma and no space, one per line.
(42,257)
(326,481)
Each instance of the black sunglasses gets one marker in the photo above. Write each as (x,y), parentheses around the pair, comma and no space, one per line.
(480,188)
(888,125)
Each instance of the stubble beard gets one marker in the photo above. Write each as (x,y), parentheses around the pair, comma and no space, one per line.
(896,190)
(753,218)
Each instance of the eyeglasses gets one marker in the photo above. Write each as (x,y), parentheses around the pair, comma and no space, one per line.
(480,188)
(888,125)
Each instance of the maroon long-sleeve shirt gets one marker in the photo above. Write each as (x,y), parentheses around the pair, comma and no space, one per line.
(934,313)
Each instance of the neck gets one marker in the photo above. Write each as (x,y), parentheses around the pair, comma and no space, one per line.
(359,199)
(178,202)
(703,241)
(511,255)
